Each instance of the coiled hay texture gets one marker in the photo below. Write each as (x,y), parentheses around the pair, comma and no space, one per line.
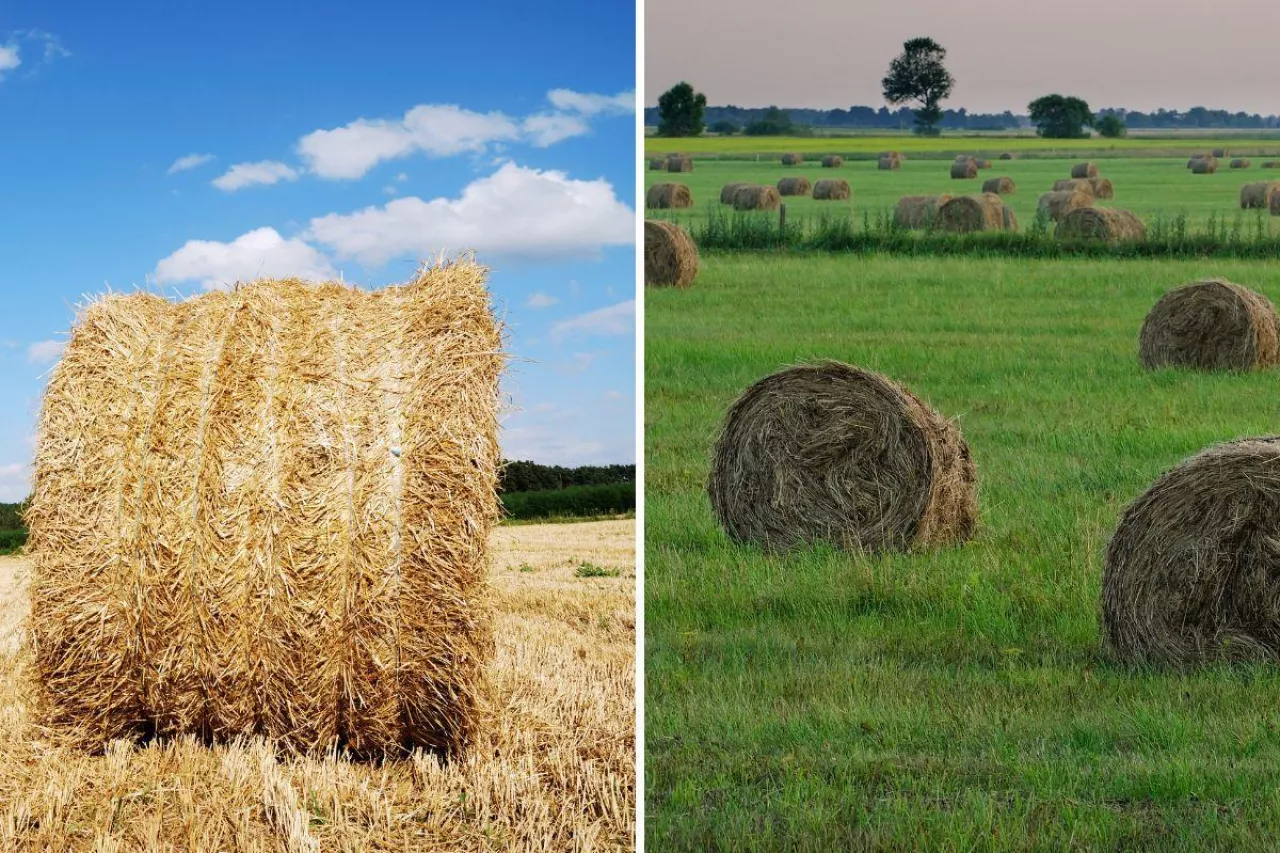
(1210,325)
(1102,188)
(679,164)
(1241,163)
(757,198)
(832,161)
(1258,196)
(1058,204)
(1275,204)
(964,169)
(832,190)
(1204,166)
(1192,573)
(792,159)
(1000,186)
(728,191)
(668,197)
(1073,185)
(830,453)
(265,511)
(966,213)
(1084,170)
(889,163)
(918,211)
(1103,224)
(794,186)
(670,256)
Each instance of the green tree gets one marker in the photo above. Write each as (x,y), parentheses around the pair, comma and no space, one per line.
(1112,127)
(775,122)
(681,111)
(918,76)
(1058,117)
(723,127)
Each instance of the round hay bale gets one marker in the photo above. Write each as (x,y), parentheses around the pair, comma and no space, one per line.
(670,256)
(757,198)
(1190,574)
(966,213)
(832,190)
(1275,204)
(1102,188)
(1000,186)
(889,164)
(1084,170)
(832,161)
(983,164)
(1102,224)
(1258,196)
(1220,153)
(679,164)
(1058,204)
(1271,164)
(1206,166)
(657,164)
(964,169)
(1006,156)
(792,159)
(834,454)
(265,512)
(895,155)
(1192,162)
(728,191)
(1067,185)
(918,211)
(794,186)
(668,197)
(1241,163)
(1210,325)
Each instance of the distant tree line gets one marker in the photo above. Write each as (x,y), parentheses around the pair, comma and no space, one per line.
(11,516)
(574,501)
(524,476)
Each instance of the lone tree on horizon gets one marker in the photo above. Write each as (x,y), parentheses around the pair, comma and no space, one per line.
(1059,117)
(681,111)
(918,76)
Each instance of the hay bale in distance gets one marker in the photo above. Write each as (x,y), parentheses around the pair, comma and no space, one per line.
(670,256)
(1241,163)
(757,198)
(832,190)
(728,191)
(830,453)
(794,186)
(1073,185)
(679,164)
(1000,186)
(1058,204)
(1084,170)
(964,169)
(1258,196)
(1103,224)
(1006,156)
(1206,166)
(1220,153)
(1210,325)
(983,164)
(889,164)
(792,159)
(668,197)
(1102,188)
(300,481)
(657,164)
(832,161)
(1271,164)
(918,211)
(986,212)
(1189,576)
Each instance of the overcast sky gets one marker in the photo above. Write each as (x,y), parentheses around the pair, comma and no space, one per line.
(1136,54)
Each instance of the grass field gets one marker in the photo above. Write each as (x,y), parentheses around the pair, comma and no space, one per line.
(961,699)
(554,771)
(1150,187)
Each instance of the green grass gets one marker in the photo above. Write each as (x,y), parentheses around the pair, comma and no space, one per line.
(591,570)
(961,699)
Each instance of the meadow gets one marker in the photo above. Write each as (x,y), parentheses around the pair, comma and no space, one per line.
(958,699)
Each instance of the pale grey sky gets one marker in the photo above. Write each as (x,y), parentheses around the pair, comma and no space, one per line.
(1137,54)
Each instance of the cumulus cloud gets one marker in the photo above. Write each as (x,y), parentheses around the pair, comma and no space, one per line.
(617,319)
(590,104)
(10,58)
(45,352)
(540,300)
(48,45)
(515,212)
(546,129)
(248,174)
(190,161)
(257,254)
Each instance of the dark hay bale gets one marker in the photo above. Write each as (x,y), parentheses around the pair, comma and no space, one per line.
(1099,223)
(1206,166)
(1258,196)
(1102,188)
(983,164)
(1000,186)
(679,164)
(1192,162)
(1275,204)
(964,169)
(832,190)
(1084,170)
(668,197)
(895,155)
(1220,153)
(1067,185)
(1210,325)
(1006,156)
(757,198)
(1271,164)
(830,453)
(889,164)
(794,186)
(728,191)
(657,164)
(964,214)
(792,159)
(918,211)
(1059,204)
(670,256)
(1192,573)
(832,161)
(1241,163)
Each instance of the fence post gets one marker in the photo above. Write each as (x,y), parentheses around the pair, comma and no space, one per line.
(782,219)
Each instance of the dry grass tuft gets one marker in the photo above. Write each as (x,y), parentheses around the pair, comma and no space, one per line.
(1103,224)
(670,256)
(1210,325)
(668,197)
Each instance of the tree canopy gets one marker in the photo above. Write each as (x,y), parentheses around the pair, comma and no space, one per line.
(681,111)
(1061,117)
(918,76)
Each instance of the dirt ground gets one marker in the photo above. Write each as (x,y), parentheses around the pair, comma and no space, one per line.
(555,771)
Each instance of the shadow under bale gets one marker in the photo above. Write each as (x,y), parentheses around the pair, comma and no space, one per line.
(670,256)
(1210,325)
(829,453)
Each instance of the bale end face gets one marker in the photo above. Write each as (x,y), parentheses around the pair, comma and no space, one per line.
(794,186)
(832,161)
(670,255)
(668,197)
(1101,224)
(1084,170)
(757,198)
(1000,186)
(965,214)
(832,190)
(1210,325)
(793,159)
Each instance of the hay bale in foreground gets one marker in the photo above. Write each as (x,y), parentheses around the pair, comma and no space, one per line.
(1210,325)
(1067,185)
(757,198)
(1000,186)
(794,186)
(1100,223)
(831,190)
(1190,574)
(792,159)
(830,453)
(670,256)
(728,191)
(679,164)
(1241,163)
(668,197)
(1258,196)
(964,169)
(986,212)
(1102,188)
(1206,166)
(889,164)
(918,211)
(1058,204)
(832,161)
(1084,170)
(1220,153)
(266,511)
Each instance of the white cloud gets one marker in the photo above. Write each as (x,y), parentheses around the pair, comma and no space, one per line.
(10,58)
(540,300)
(546,129)
(614,395)
(15,482)
(190,161)
(261,253)
(590,104)
(515,211)
(49,46)
(402,177)
(247,174)
(391,189)
(617,319)
(45,352)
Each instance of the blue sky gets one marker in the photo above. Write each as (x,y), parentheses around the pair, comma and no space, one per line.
(145,146)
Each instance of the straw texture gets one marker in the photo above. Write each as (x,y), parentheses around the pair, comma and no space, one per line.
(1210,325)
